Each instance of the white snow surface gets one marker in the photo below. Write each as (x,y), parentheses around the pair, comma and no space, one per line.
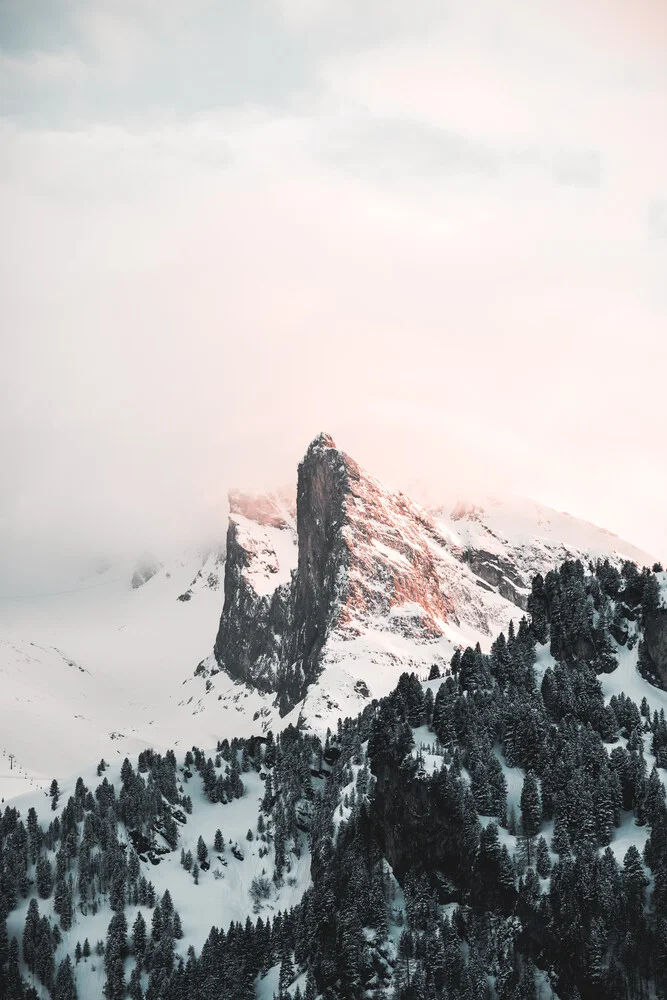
(273,551)
(98,671)
(106,670)
(217,900)
(534,537)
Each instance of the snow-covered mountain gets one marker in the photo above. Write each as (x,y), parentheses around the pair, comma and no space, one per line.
(231,872)
(97,670)
(327,594)
(321,602)
(330,598)
(506,542)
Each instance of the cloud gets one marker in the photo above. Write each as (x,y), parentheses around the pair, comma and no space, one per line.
(227,227)
(657,218)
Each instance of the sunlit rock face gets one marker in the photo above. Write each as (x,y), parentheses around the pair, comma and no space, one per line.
(360,556)
(655,633)
(352,583)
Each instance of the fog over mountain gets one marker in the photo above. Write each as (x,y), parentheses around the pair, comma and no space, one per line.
(438,232)
(333,599)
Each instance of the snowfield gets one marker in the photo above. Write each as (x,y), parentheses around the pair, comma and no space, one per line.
(222,895)
(98,672)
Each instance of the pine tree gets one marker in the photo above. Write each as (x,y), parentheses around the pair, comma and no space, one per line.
(114,955)
(139,938)
(531,810)
(406,951)
(349,960)
(62,902)
(311,989)
(65,984)
(542,860)
(44,877)
(13,985)
(537,609)
(651,597)
(634,882)
(30,934)
(286,976)
(134,986)
(156,924)
(44,962)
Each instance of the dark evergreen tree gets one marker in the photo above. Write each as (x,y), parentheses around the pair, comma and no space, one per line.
(65,986)
(531,811)
(44,877)
(54,793)
(542,860)
(30,934)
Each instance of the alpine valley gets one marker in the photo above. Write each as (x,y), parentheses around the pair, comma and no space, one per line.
(359,748)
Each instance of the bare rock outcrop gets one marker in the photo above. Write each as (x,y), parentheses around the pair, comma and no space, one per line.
(655,637)
(363,553)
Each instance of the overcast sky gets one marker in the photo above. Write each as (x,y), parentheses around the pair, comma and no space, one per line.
(436,230)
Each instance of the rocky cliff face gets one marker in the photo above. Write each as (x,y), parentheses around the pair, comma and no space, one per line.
(655,636)
(261,554)
(508,542)
(354,583)
(370,565)
(365,554)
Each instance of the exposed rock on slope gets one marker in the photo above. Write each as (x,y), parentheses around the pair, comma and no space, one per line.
(364,553)
(507,542)
(328,600)
(261,553)
(370,563)
(655,634)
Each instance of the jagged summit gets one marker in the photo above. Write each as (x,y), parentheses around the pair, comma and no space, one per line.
(329,596)
(323,440)
(386,546)
(507,541)
(364,564)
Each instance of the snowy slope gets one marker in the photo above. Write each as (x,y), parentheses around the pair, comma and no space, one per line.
(371,588)
(523,524)
(98,671)
(222,894)
(390,585)
(516,538)
(107,668)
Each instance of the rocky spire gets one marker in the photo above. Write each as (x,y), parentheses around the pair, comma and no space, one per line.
(363,553)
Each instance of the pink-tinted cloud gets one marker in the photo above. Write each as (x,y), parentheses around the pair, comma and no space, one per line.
(439,244)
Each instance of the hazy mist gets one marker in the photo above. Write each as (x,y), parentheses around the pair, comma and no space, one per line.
(437,231)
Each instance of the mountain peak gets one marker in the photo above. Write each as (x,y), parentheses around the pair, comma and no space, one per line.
(323,440)
(370,565)
(356,583)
